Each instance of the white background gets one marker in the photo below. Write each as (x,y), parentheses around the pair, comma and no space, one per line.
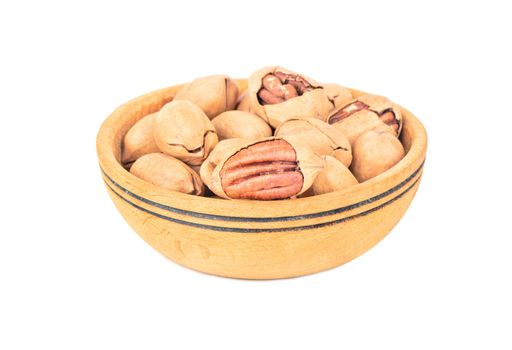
(73,275)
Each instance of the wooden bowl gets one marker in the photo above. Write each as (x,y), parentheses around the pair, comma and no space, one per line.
(258,239)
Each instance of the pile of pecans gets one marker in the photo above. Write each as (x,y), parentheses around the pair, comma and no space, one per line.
(287,136)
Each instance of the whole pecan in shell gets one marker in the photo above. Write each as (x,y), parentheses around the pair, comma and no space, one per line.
(374,153)
(182,130)
(168,172)
(213,94)
(139,140)
(240,124)
(335,176)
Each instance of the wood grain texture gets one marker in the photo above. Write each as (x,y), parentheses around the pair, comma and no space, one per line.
(255,239)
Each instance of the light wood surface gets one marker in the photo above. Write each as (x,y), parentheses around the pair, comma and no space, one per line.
(255,239)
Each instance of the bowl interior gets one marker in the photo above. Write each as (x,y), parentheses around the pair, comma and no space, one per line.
(113,130)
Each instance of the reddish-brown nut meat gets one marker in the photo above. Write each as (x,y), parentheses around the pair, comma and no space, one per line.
(347,111)
(265,170)
(279,87)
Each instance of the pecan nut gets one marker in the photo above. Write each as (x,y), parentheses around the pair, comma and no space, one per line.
(334,177)
(374,153)
(240,124)
(139,140)
(244,103)
(320,137)
(364,113)
(267,169)
(213,94)
(183,131)
(168,172)
(338,94)
(278,94)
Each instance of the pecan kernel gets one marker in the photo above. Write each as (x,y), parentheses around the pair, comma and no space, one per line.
(279,87)
(264,171)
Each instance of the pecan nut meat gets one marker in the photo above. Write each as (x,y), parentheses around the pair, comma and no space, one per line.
(278,94)
(267,169)
(279,87)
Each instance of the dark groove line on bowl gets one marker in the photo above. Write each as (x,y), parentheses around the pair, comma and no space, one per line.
(268,230)
(265,219)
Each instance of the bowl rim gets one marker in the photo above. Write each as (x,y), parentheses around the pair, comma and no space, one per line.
(110,136)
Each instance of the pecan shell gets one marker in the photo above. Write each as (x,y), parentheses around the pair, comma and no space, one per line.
(183,131)
(240,124)
(224,147)
(213,94)
(244,103)
(168,172)
(139,140)
(374,153)
(338,95)
(335,176)
(320,137)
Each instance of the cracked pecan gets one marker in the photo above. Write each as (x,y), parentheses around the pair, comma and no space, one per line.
(363,108)
(347,111)
(320,137)
(278,94)
(267,169)
(338,94)
(279,87)
(182,130)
